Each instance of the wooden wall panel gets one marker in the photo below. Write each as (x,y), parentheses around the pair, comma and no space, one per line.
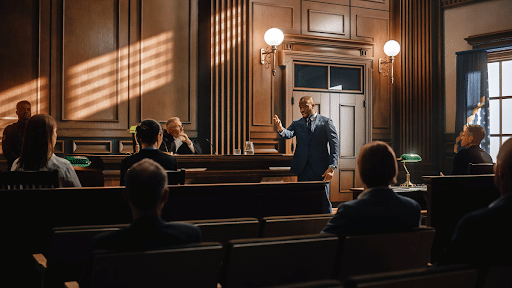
(373,25)
(165,60)
(89,67)
(90,60)
(24,76)
(371,4)
(230,100)
(323,19)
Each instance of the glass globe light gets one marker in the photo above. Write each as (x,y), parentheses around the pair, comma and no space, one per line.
(274,37)
(391,48)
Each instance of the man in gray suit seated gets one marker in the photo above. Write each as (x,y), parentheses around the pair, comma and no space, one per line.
(312,160)
(378,209)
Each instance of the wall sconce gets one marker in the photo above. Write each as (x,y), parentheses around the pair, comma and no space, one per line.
(274,37)
(391,48)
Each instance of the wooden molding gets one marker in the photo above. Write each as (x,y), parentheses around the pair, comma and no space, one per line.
(493,39)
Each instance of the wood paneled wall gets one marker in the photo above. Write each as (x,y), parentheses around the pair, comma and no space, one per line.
(230,81)
(418,100)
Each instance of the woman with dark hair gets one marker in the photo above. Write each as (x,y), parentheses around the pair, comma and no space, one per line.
(149,134)
(37,151)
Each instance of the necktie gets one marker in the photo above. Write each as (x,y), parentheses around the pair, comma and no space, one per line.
(309,125)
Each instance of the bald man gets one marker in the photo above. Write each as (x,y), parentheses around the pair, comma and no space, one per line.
(12,138)
(317,151)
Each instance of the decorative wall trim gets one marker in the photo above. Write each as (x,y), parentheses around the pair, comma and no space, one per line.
(92,147)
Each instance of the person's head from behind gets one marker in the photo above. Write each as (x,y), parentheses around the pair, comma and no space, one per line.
(146,187)
(472,135)
(503,173)
(377,164)
(38,142)
(23,110)
(149,133)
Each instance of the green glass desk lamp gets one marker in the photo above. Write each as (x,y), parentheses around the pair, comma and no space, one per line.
(409,158)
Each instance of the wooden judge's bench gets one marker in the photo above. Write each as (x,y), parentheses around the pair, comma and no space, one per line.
(199,169)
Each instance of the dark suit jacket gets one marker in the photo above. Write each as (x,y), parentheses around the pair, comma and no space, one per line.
(312,147)
(473,154)
(168,145)
(482,237)
(144,234)
(168,162)
(12,140)
(148,233)
(378,210)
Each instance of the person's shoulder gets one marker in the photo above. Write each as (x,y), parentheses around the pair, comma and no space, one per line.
(9,128)
(189,230)
(59,161)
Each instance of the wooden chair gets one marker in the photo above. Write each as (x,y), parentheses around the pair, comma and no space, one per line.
(277,261)
(69,253)
(194,265)
(223,230)
(278,226)
(480,168)
(445,277)
(176,177)
(366,254)
(29,179)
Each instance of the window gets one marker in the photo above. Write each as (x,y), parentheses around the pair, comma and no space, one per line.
(499,68)
(325,77)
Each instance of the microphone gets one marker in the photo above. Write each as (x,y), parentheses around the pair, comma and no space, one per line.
(213,146)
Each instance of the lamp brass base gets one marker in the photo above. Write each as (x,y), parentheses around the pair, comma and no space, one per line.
(407,182)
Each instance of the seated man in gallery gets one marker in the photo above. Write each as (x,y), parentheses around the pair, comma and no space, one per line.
(378,208)
(472,153)
(483,237)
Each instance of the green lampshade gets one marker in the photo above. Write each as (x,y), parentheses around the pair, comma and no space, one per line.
(133,129)
(410,158)
(80,161)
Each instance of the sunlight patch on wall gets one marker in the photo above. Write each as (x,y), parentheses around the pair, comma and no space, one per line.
(94,88)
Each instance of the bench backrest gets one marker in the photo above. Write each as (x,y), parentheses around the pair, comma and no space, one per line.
(223,230)
(29,179)
(194,265)
(425,278)
(376,253)
(282,260)
(277,226)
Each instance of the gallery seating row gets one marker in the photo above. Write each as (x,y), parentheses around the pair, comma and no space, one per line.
(460,276)
(252,262)
(33,213)
(449,198)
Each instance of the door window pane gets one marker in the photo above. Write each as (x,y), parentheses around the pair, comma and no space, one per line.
(506,79)
(309,76)
(493,74)
(345,78)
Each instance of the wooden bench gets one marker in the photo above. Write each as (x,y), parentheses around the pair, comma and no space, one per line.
(376,253)
(449,198)
(33,213)
(195,265)
(264,262)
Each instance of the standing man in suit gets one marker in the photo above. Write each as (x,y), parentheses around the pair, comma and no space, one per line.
(176,141)
(13,134)
(316,154)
